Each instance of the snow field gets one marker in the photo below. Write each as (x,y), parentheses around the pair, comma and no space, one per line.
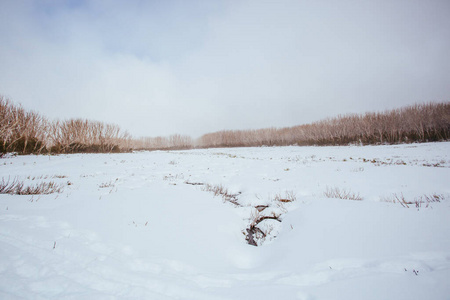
(143,225)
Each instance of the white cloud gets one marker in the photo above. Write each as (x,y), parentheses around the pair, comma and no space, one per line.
(158,68)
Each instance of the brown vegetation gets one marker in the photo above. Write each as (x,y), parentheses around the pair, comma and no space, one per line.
(426,200)
(17,187)
(20,130)
(173,142)
(336,192)
(416,123)
(84,136)
(219,190)
(28,132)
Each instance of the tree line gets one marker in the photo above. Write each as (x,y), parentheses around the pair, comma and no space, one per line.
(25,132)
(415,123)
(173,142)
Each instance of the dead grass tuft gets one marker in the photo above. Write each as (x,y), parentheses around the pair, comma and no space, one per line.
(424,200)
(336,192)
(428,199)
(397,198)
(108,184)
(289,196)
(17,187)
(220,190)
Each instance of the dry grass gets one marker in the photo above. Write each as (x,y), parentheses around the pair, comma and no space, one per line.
(108,184)
(220,190)
(397,198)
(17,187)
(424,200)
(428,199)
(289,196)
(338,193)
(46,177)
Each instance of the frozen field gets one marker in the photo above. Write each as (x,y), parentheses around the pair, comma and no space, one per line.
(148,225)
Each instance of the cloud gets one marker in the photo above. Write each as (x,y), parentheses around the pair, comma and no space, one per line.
(191,67)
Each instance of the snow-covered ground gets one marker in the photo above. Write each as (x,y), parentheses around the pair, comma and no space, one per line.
(147,225)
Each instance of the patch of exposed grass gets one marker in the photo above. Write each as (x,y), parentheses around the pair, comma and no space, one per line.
(422,201)
(428,199)
(289,196)
(18,187)
(220,190)
(108,184)
(335,192)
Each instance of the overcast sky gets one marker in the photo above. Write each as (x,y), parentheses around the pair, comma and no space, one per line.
(191,67)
